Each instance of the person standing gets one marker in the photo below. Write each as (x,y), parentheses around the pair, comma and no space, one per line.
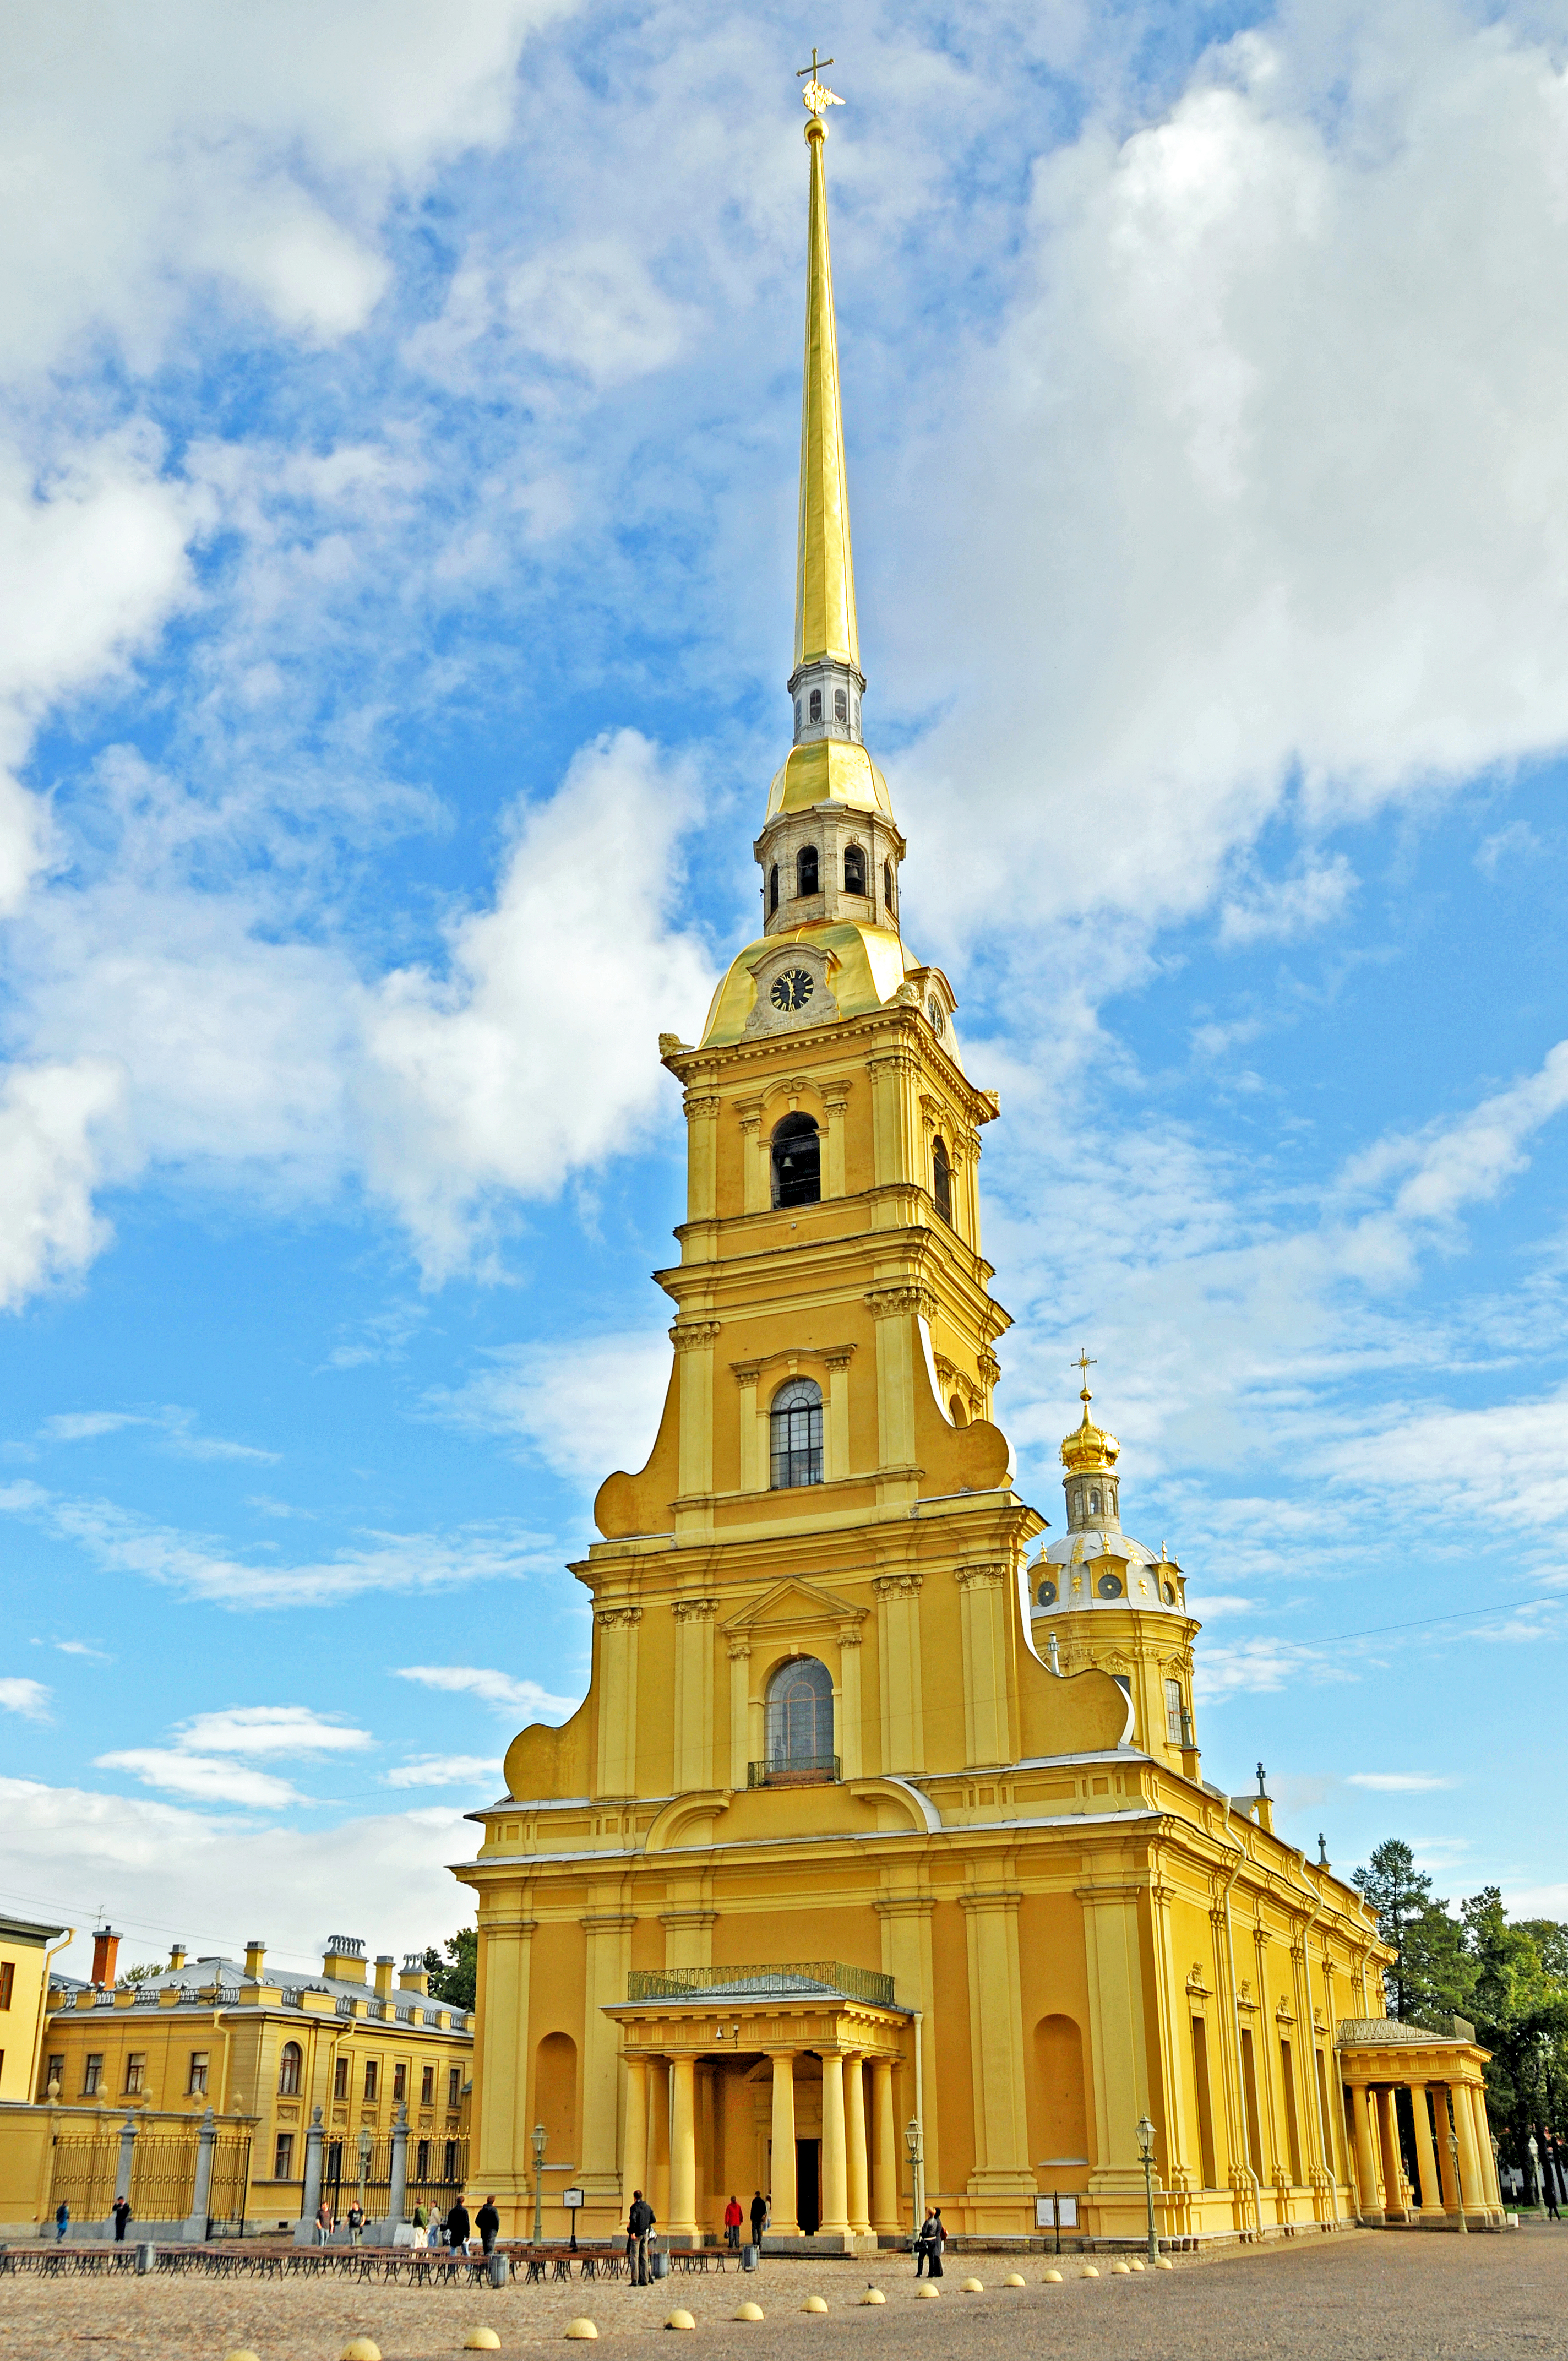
(759,2218)
(924,2238)
(733,2217)
(325,2222)
(120,2210)
(457,2227)
(938,2240)
(487,2223)
(61,2220)
(640,2222)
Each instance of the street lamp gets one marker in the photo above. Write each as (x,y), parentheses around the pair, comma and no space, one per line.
(364,2170)
(912,2141)
(1534,2155)
(540,2142)
(1458,2183)
(1146,2149)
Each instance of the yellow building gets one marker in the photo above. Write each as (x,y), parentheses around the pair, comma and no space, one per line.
(25,1953)
(301,2077)
(880,1829)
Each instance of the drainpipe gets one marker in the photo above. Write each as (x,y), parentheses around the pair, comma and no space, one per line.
(66,1939)
(1236,2014)
(920,2118)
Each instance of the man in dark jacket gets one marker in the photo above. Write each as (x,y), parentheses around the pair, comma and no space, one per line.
(759,2215)
(638,2223)
(457,2227)
(122,2210)
(486,2220)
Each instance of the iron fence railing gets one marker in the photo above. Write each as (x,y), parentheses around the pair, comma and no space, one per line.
(785,1976)
(799,1771)
(163,2176)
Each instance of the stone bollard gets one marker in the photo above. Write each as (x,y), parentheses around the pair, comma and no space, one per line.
(147,2257)
(498,2270)
(749,2257)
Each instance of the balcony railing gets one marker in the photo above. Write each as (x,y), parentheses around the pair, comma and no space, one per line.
(780,1977)
(799,1771)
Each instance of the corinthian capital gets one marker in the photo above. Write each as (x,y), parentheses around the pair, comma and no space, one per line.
(686,1334)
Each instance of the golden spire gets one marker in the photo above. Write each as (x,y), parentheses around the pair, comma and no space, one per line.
(825,574)
(1088,1449)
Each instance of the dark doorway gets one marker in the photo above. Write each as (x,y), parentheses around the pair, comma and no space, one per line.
(808,2185)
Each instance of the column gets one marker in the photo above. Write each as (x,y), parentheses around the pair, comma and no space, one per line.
(683,2223)
(898,1616)
(607,1956)
(1388,2152)
(836,1437)
(984,1605)
(1474,2193)
(634,2139)
(740,1709)
(847,1733)
(1442,2130)
(694,1691)
(657,2181)
(125,2163)
(885,2208)
(194,2229)
(1484,2150)
(784,2224)
(397,2196)
(311,2201)
(615,1632)
(1371,2205)
(859,2177)
(834,2222)
(1426,2155)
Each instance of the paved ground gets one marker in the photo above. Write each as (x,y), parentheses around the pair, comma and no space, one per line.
(1362,2296)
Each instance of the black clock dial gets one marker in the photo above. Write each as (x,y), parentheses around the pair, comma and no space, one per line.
(792,990)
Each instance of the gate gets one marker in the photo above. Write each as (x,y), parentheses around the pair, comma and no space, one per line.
(230,2181)
(84,2173)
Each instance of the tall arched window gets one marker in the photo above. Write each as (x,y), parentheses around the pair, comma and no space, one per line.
(854,870)
(289,2064)
(800,1719)
(942,1181)
(797,1161)
(805,870)
(887,885)
(796,1428)
(840,705)
(817,704)
(772,889)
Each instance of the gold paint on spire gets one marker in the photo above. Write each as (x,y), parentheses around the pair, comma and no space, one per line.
(825,574)
(1088,1450)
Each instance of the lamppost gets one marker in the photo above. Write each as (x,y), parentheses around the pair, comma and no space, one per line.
(540,2142)
(912,2141)
(1458,2183)
(1534,2154)
(1146,2149)
(364,2171)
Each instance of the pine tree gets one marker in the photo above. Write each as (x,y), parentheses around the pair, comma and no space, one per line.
(1398,1893)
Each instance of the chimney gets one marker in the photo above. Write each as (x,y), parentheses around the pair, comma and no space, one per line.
(344,1959)
(385,1964)
(105,1952)
(414,1978)
(176,1957)
(255,1952)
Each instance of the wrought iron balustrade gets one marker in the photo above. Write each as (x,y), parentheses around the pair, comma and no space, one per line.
(796,1771)
(761,1981)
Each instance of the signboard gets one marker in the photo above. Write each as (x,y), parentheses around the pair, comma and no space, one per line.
(1047,2215)
(570,2199)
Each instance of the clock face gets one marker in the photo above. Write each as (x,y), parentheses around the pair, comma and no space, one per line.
(791,991)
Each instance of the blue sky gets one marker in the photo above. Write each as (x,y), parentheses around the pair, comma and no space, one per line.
(398,426)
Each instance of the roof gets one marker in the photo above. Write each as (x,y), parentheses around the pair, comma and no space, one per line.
(198,1977)
(27,1930)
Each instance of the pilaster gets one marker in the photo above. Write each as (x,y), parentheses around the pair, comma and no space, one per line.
(615,1627)
(607,1958)
(1002,2166)
(898,1652)
(848,1732)
(693,1692)
(985,1600)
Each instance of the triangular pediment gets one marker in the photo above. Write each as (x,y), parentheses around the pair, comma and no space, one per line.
(795,1600)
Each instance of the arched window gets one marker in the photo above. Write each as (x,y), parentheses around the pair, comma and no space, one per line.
(887,885)
(772,889)
(797,713)
(797,1161)
(957,1411)
(289,2064)
(854,870)
(840,705)
(805,870)
(817,704)
(796,1435)
(1095,1504)
(942,1181)
(800,1718)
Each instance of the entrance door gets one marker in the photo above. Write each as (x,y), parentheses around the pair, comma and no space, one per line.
(808,2185)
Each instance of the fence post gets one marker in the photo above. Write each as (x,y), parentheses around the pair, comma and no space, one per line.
(397,2196)
(311,2203)
(127,2160)
(194,2230)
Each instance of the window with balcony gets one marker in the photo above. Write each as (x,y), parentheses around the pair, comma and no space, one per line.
(799,1727)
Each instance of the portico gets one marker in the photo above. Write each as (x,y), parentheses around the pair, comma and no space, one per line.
(765,2079)
(1442,2078)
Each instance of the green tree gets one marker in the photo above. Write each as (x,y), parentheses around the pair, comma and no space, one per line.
(455,1979)
(1398,1893)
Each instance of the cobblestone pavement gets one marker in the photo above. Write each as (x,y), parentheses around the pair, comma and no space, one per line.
(1361,2296)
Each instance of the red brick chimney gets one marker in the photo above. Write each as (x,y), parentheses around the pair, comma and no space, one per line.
(105,1952)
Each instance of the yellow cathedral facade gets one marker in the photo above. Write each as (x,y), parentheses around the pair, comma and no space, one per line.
(877,1868)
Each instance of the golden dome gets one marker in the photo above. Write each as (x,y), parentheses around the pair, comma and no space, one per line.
(1088,1450)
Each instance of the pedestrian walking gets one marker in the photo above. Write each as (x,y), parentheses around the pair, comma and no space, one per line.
(457,2227)
(61,2220)
(121,2208)
(327,2222)
(924,2241)
(487,2223)
(639,2222)
(938,2240)
(355,2222)
(759,2217)
(733,2217)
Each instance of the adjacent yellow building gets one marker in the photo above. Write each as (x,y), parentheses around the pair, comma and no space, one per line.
(878,1866)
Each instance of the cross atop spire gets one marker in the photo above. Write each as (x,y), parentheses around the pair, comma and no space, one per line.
(1083,1365)
(817,95)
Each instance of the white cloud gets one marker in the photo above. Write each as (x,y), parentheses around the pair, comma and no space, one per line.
(585,1406)
(292,1729)
(1278,910)
(1397,1782)
(24,1696)
(446,1771)
(1257,1667)
(208,1779)
(178,1427)
(490,1686)
(123,1543)
(52,1121)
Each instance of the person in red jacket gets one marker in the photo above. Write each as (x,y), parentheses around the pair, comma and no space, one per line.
(733,2217)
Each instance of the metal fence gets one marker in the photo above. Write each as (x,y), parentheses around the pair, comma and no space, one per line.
(163,2177)
(437,2170)
(787,1976)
